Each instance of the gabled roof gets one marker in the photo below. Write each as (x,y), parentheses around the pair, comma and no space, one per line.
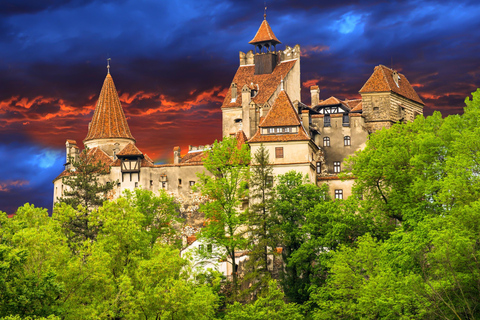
(130,150)
(264,34)
(354,105)
(108,120)
(281,114)
(382,81)
(329,102)
(267,83)
(193,157)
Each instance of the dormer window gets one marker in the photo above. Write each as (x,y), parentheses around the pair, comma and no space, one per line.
(396,78)
(280,130)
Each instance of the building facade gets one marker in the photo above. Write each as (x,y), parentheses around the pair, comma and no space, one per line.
(262,107)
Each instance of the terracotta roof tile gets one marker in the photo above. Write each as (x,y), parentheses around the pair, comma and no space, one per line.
(281,114)
(382,81)
(108,120)
(267,83)
(130,150)
(328,102)
(193,157)
(72,141)
(354,105)
(264,34)
(241,139)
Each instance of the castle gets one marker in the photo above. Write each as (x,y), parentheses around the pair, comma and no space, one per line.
(261,107)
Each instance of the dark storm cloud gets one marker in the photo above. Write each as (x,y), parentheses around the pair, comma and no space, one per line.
(173,60)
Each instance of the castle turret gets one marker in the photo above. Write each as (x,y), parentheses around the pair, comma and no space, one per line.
(109,125)
(266,43)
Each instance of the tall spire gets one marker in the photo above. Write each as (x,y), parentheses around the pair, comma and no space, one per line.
(265,34)
(108,121)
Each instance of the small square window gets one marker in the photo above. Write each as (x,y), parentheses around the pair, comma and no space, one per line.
(338,194)
(346,141)
(279,152)
(192,183)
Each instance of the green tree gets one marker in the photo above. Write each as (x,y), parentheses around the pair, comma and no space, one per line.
(33,254)
(84,187)
(269,305)
(260,222)
(84,192)
(294,198)
(226,188)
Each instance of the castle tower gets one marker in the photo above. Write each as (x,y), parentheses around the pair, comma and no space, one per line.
(108,129)
(256,84)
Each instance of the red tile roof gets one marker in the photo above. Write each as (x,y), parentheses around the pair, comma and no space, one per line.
(108,120)
(241,139)
(267,83)
(281,114)
(382,81)
(354,105)
(193,157)
(264,34)
(130,150)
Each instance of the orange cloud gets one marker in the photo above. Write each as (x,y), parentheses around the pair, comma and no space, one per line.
(311,82)
(6,186)
(308,50)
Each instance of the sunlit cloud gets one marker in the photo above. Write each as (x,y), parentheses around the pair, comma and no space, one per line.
(6,186)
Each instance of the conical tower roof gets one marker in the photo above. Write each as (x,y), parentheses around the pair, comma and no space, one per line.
(108,121)
(265,34)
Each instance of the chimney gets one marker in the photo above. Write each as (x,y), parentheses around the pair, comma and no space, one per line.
(176,155)
(243,58)
(250,57)
(71,150)
(233,92)
(315,92)
(306,120)
(246,98)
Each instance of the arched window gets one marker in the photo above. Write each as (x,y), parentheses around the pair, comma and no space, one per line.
(346,141)
(326,141)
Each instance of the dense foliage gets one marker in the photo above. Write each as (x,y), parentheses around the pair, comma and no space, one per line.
(406,245)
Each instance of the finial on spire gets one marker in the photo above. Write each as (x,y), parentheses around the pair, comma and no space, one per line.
(265,11)
(108,65)
(281,84)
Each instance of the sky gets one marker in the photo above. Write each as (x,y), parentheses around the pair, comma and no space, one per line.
(172,62)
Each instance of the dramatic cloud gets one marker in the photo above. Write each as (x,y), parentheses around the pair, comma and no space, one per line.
(172,62)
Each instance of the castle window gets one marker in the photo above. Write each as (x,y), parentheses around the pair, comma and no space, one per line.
(319,167)
(346,141)
(136,184)
(279,152)
(192,183)
(164,185)
(326,141)
(119,184)
(338,193)
(346,120)
(238,120)
(200,248)
(326,120)
(179,182)
(336,167)
(151,183)
(209,247)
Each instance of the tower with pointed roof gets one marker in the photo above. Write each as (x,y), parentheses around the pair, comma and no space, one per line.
(256,84)
(108,129)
